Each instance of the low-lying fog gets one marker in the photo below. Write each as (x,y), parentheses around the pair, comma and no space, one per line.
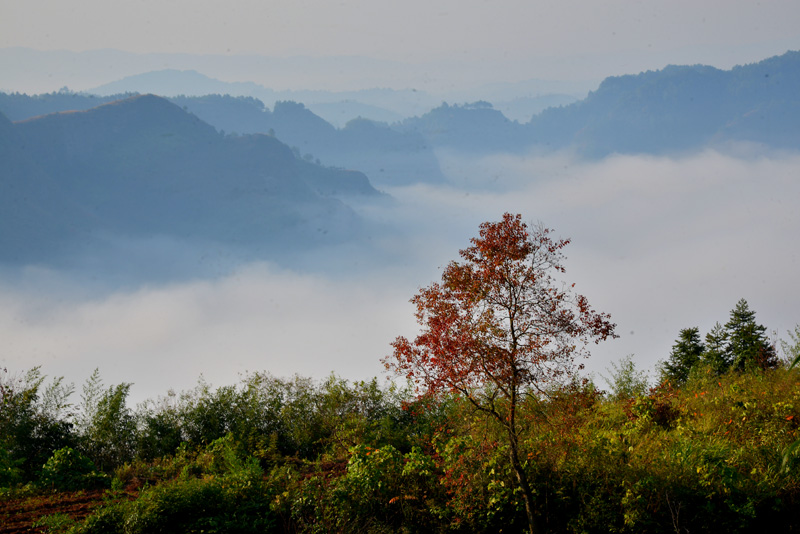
(660,243)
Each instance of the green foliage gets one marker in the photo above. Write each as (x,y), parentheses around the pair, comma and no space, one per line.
(740,345)
(479,484)
(31,424)
(626,381)
(716,356)
(107,425)
(379,490)
(373,478)
(10,468)
(298,417)
(55,523)
(791,348)
(159,433)
(686,354)
(217,491)
(713,455)
(658,409)
(68,469)
(747,341)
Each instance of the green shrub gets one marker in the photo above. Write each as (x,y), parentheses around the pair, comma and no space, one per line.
(220,493)
(107,425)
(10,469)
(68,469)
(55,522)
(32,424)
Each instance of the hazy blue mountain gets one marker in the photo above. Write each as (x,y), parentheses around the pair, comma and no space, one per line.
(772,89)
(231,115)
(521,100)
(18,106)
(6,127)
(343,111)
(173,82)
(37,214)
(338,107)
(389,156)
(681,108)
(476,127)
(678,108)
(522,109)
(145,167)
(531,87)
(675,109)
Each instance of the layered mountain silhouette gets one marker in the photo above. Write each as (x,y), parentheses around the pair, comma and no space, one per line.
(388,156)
(681,108)
(143,166)
(337,107)
(675,109)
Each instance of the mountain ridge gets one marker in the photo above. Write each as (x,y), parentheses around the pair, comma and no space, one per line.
(672,110)
(145,167)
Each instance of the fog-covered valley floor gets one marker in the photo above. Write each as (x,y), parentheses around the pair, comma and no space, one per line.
(660,243)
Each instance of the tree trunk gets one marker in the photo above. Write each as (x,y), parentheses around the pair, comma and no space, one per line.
(522,480)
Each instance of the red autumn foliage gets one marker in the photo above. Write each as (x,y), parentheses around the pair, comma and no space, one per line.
(500,326)
(500,317)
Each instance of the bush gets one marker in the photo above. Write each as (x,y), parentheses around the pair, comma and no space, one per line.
(55,522)
(31,424)
(10,469)
(108,425)
(216,492)
(68,469)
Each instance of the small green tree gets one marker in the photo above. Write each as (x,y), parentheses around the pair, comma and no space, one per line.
(791,348)
(31,423)
(108,427)
(716,355)
(686,353)
(748,346)
(626,382)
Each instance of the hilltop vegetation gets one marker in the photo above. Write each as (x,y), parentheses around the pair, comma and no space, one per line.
(271,455)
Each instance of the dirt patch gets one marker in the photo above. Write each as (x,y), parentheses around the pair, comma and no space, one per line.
(18,514)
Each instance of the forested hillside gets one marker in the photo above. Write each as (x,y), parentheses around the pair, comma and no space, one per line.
(144,167)
(386,155)
(676,109)
(682,108)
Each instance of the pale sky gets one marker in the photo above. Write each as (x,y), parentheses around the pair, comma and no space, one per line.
(559,38)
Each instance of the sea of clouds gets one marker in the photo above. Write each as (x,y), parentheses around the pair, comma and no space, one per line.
(660,243)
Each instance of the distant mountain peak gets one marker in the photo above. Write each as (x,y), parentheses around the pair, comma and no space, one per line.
(173,82)
(138,109)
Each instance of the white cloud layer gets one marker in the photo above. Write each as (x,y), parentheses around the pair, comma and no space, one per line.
(660,243)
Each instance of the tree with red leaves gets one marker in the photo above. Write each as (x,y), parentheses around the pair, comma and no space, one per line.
(500,327)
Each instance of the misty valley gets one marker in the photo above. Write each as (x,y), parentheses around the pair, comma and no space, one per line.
(236,264)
